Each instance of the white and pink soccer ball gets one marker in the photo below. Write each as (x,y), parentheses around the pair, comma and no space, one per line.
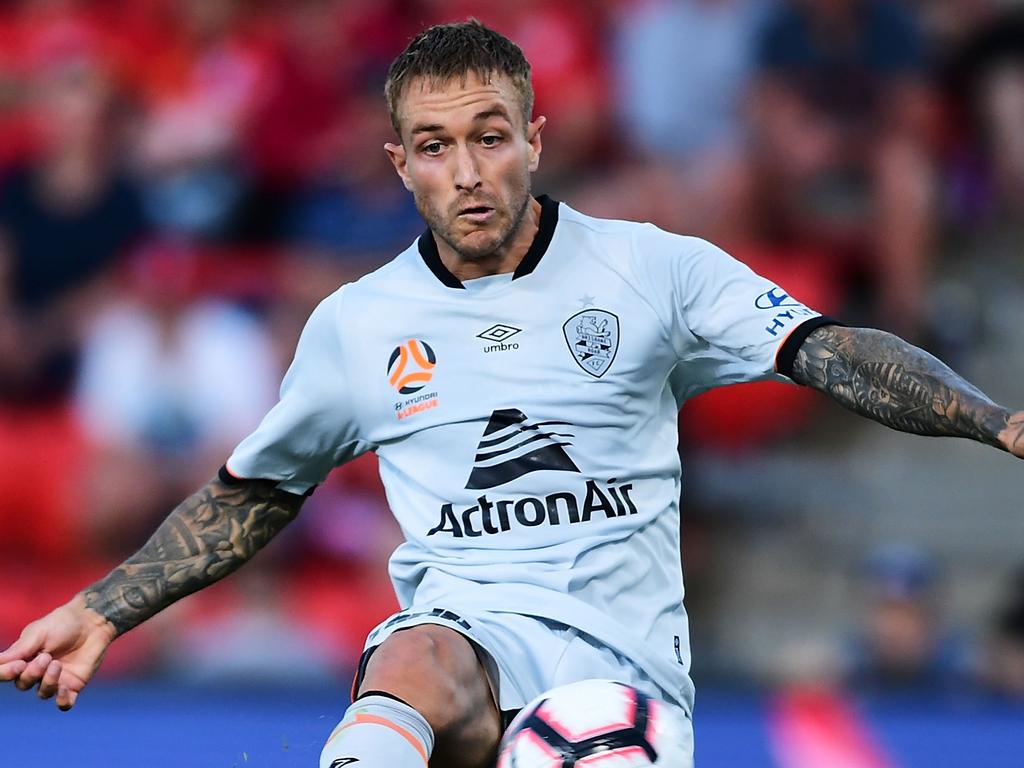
(595,723)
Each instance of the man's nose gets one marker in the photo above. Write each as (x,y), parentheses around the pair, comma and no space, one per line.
(467,173)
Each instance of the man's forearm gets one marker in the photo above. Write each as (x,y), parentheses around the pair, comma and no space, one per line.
(209,535)
(886,379)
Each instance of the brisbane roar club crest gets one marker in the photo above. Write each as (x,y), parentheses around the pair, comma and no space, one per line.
(593,339)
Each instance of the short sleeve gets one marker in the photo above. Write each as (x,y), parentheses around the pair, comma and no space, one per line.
(313,427)
(728,325)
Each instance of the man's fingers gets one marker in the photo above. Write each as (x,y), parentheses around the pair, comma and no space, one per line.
(48,685)
(66,698)
(23,648)
(12,669)
(33,672)
(68,688)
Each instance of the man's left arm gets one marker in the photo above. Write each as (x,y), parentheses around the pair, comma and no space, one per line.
(881,376)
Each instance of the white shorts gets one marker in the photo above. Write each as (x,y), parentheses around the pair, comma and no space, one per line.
(524,656)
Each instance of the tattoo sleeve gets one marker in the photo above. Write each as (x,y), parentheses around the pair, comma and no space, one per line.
(209,535)
(886,379)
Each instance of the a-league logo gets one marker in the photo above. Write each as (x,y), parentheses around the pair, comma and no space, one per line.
(411,366)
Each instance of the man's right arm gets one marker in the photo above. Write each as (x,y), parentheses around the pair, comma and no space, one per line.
(209,535)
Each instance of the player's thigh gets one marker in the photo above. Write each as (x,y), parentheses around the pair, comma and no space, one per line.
(437,671)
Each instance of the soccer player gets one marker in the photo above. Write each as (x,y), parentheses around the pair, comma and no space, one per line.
(518,370)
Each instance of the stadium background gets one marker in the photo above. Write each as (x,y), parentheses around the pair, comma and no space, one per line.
(180,182)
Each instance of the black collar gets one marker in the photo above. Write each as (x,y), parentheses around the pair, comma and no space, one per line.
(545,231)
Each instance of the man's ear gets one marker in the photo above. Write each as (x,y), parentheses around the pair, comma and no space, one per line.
(397,156)
(533,130)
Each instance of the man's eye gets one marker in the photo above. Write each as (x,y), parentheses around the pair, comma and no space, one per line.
(490,141)
(433,148)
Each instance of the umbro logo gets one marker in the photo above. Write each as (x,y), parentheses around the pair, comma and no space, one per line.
(500,334)
(341,762)
(513,446)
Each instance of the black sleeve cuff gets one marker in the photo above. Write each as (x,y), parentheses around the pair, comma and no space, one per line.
(786,355)
(226,477)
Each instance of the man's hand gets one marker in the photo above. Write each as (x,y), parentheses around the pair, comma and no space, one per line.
(1012,438)
(60,652)
(209,535)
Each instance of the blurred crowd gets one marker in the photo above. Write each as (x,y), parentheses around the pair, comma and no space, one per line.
(182,180)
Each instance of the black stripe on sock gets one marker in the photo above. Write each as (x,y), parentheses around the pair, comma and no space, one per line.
(385,694)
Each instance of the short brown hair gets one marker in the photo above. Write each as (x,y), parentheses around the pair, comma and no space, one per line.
(447,51)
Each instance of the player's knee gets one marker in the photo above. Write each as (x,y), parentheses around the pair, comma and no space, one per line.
(437,672)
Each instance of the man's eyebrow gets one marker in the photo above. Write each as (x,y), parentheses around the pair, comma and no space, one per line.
(478,117)
(492,112)
(426,128)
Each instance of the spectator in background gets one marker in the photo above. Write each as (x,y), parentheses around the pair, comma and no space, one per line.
(170,378)
(683,70)
(842,124)
(1003,668)
(202,89)
(67,215)
(985,76)
(902,643)
(355,214)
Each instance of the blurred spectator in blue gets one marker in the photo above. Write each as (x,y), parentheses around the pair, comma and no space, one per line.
(902,643)
(68,213)
(171,379)
(205,83)
(1003,666)
(360,213)
(66,216)
(682,68)
(843,118)
(984,74)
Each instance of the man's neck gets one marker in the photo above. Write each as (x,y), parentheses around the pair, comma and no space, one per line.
(502,261)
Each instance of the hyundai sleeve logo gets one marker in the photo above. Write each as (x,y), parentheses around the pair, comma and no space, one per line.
(774,299)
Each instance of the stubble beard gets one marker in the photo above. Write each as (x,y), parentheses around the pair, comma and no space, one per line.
(441,228)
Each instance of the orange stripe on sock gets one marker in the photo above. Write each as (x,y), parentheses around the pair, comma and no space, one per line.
(375,720)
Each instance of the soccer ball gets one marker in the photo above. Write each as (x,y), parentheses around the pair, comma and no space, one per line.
(594,722)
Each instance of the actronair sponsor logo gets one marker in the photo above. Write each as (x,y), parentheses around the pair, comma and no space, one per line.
(491,516)
(512,445)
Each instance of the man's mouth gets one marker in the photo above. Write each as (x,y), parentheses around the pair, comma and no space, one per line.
(477,213)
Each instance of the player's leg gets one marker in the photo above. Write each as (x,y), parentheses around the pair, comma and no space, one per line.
(424,695)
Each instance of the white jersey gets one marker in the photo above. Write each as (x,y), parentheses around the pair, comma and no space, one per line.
(525,424)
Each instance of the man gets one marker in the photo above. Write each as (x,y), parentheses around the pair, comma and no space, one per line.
(517,371)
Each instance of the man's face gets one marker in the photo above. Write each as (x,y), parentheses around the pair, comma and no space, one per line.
(467,158)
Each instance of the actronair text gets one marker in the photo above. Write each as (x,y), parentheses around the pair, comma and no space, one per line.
(495,516)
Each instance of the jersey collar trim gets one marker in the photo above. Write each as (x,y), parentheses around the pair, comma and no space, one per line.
(545,231)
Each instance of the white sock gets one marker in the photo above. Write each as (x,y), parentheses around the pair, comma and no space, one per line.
(379,732)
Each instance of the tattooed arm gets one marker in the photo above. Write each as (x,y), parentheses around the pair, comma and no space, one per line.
(209,535)
(886,379)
